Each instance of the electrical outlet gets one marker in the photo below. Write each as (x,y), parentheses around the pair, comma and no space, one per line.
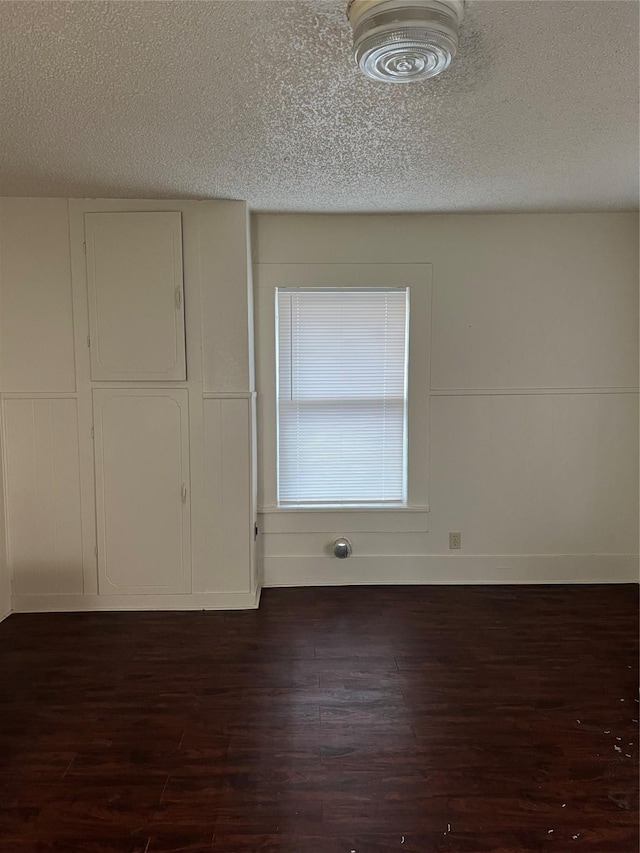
(455,541)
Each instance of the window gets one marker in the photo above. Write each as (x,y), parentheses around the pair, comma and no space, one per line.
(342,396)
(281,291)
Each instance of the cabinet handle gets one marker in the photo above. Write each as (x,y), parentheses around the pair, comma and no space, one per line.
(184,493)
(178,298)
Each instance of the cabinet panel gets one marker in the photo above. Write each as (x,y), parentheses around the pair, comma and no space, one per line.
(230,510)
(226,294)
(142,490)
(135,294)
(36,321)
(43,496)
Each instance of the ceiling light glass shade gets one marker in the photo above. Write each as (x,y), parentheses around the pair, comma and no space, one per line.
(400,41)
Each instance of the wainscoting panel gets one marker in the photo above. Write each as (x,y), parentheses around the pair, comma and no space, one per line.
(43,495)
(227,431)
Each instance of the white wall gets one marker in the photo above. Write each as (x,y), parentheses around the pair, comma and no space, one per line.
(5,580)
(533,397)
(46,394)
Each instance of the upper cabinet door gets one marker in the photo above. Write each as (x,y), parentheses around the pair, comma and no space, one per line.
(136,304)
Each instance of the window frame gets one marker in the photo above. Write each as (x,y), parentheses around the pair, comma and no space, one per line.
(411,516)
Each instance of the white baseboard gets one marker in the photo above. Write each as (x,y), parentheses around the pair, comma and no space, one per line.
(445,569)
(362,571)
(191,601)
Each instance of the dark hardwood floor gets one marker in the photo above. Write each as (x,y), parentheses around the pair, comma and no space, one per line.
(405,719)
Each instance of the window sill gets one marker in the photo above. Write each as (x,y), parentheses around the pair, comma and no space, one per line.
(343,520)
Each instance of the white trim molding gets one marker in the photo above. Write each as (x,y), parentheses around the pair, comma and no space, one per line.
(228,395)
(39,395)
(285,571)
(355,520)
(87,603)
(519,392)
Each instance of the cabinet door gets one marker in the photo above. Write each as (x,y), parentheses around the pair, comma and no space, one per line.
(142,490)
(135,293)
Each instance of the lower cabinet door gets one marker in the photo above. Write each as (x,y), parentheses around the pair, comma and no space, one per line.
(142,490)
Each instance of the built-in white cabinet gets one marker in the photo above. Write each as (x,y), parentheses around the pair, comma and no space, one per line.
(128,482)
(135,295)
(141,439)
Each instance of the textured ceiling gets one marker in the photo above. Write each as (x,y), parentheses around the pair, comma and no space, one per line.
(259,100)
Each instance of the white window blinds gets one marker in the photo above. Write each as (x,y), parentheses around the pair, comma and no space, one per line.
(342,396)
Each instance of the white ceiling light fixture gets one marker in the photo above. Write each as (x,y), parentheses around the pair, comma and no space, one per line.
(400,41)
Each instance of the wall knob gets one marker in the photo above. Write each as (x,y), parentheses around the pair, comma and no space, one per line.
(342,548)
